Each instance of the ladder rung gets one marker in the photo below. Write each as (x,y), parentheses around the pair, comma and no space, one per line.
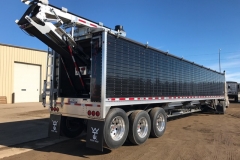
(48,94)
(48,90)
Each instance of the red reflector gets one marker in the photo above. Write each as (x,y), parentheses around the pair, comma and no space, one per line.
(97,113)
(93,25)
(82,21)
(54,109)
(93,113)
(89,113)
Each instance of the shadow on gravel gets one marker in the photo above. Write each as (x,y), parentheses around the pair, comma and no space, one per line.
(12,133)
(74,147)
(179,117)
(33,134)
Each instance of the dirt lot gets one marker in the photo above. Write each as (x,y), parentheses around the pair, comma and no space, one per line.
(196,137)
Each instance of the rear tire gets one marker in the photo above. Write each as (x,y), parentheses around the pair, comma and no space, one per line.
(116,128)
(158,121)
(140,126)
(72,127)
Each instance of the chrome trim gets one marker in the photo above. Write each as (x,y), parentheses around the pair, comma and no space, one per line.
(134,102)
(104,73)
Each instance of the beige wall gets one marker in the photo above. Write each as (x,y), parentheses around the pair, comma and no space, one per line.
(9,55)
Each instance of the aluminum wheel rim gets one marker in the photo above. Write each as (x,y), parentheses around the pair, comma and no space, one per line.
(142,127)
(160,122)
(117,128)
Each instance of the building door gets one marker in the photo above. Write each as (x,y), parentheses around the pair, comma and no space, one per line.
(26,82)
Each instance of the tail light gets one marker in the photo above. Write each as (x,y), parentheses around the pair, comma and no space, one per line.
(54,109)
(89,113)
(97,113)
(93,113)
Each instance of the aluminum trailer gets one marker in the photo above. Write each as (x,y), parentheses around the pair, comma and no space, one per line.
(111,86)
(233,89)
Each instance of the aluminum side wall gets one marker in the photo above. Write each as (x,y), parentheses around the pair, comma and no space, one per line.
(134,70)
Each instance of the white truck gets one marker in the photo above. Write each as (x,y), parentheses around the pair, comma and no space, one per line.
(111,86)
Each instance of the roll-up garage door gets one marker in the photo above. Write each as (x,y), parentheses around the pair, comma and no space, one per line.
(26,82)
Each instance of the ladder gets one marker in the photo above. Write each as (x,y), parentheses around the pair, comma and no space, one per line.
(50,88)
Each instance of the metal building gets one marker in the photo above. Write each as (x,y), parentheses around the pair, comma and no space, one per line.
(22,71)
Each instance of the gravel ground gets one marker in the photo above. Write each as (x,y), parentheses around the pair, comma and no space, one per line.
(195,137)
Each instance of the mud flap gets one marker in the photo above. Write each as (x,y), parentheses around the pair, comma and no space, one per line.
(54,125)
(220,109)
(95,134)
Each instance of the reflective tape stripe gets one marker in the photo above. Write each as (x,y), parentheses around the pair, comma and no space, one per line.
(159,98)
(93,25)
(80,20)
(81,104)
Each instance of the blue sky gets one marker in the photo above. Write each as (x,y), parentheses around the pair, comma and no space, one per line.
(192,29)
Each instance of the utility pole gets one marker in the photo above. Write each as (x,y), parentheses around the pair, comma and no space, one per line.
(219,61)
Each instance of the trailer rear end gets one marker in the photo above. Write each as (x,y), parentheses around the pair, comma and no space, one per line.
(233,90)
(111,86)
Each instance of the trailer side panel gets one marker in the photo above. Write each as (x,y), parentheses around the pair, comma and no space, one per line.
(134,70)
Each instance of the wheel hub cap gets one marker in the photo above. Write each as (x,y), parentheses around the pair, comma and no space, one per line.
(160,122)
(117,128)
(142,127)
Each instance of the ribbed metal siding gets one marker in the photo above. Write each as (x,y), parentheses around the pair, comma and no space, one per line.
(136,71)
(9,55)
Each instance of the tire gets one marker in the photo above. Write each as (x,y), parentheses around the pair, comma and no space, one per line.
(72,127)
(141,119)
(116,128)
(158,122)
